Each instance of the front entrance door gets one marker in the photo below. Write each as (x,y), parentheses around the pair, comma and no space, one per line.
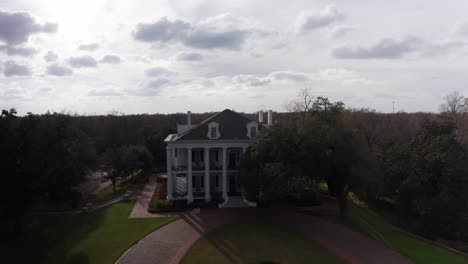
(233,184)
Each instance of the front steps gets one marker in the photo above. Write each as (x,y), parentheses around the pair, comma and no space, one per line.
(237,201)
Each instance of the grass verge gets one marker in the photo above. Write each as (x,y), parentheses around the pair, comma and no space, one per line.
(415,249)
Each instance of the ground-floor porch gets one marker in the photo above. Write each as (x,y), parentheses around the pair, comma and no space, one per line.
(199,185)
(204,170)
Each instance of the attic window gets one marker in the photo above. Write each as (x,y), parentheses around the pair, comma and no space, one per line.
(253,131)
(213,132)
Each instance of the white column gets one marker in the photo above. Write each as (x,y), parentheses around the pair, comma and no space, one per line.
(244,149)
(189,176)
(207,174)
(170,179)
(225,180)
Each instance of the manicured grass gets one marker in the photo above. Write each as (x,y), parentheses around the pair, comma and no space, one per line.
(417,250)
(97,237)
(121,187)
(254,243)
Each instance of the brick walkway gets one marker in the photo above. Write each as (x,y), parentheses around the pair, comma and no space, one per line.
(139,209)
(170,243)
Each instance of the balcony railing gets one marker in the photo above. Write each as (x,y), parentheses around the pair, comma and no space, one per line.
(213,167)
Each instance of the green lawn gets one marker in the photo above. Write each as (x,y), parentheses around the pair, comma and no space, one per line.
(417,250)
(121,187)
(97,237)
(254,243)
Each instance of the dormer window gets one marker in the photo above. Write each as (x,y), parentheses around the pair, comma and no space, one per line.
(213,131)
(252,129)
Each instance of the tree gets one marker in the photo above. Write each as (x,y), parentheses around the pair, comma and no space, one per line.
(308,148)
(454,103)
(43,159)
(122,162)
(434,190)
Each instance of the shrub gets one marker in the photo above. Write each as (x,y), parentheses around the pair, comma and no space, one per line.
(161,204)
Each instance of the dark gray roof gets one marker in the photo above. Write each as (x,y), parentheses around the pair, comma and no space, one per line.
(232,125)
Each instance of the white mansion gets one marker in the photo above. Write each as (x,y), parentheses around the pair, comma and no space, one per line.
(204,160)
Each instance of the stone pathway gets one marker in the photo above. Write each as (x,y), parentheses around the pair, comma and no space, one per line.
(170,243)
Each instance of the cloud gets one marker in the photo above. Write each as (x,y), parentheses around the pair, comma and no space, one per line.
(82,62)
(162,30)
(89,47)
(152,88)
(289,76)
(308,21)
(211,40)
(111,59)
(155,84)
(16,28)
(157,71)
(189,56)
(220,32)
(11,68)
(104,92)
(339,75)
(386,48)
(251,80)
(18,51)
(58,70)
(460,29)
(50,56)
(340,31)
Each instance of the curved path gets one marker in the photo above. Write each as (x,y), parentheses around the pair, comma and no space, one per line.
(170,243)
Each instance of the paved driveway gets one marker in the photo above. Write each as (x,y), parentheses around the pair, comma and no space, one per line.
(170,243)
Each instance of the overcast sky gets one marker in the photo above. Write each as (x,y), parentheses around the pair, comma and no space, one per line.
(98,56)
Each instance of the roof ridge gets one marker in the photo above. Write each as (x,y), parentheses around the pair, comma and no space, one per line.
(203,122)
(227,112)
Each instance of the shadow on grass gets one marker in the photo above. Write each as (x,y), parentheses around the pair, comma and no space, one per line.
(225,249)
(51,237)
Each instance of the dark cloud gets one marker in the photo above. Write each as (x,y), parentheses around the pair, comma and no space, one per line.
(190,35)
(58,70)
(384,49)
(17,27)
(89,47)
(18,51)
(308,22)
(104,92)
(111,59)
(203,39)
(50,56)
(162,30)
(157,71)
(189,56)
(11,68)
(82,62)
